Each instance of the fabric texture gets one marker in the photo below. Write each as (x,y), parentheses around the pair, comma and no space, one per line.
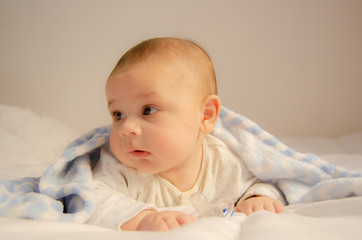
(65,191)
(122,192)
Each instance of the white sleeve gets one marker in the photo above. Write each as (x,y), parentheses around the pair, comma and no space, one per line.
(263,189)
(114,208)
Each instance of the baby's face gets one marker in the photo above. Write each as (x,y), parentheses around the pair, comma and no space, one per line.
(156,117)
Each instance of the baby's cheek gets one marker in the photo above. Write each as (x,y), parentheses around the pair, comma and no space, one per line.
(116,146)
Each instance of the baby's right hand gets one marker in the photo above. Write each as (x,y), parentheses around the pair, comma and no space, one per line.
(164,221)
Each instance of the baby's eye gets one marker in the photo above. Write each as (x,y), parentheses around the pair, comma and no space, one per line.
(118,116)
(149,110)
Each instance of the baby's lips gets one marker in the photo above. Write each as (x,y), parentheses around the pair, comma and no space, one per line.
(139,153)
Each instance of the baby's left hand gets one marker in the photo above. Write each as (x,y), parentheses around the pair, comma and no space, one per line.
(253,204)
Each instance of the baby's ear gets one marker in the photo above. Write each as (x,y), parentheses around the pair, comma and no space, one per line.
(211,109)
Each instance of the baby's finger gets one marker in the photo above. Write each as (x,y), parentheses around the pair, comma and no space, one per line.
(244,208)
(278,207)
(171,222)
(185,218)
(269,206)
(158,225)
(161,227)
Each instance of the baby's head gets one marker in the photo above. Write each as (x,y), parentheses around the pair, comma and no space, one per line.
(162,98)
(187,55)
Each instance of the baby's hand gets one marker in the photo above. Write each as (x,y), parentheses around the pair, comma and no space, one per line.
(257,203)
(164,221)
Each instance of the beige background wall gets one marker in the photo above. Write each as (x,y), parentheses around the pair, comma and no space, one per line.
(294,67)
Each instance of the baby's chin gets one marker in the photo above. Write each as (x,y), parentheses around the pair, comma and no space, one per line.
(143,166)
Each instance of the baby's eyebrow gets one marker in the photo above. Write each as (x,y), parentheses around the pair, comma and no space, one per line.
(110,102)
(148,94)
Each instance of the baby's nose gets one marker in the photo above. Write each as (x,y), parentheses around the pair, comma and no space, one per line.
(129,127)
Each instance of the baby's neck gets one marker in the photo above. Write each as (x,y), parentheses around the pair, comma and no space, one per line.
(185,177)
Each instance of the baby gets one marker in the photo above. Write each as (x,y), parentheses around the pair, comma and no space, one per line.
(162,96)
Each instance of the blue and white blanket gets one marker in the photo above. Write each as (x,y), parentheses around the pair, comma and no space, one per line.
(64,192)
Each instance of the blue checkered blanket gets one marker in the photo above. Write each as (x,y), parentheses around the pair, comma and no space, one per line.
(64,192)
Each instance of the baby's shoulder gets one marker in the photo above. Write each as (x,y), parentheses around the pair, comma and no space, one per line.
(215,143)
(217,149)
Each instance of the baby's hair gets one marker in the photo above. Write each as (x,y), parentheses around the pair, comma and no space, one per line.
(174,48)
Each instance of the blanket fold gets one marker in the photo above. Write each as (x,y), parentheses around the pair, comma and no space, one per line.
(64,192)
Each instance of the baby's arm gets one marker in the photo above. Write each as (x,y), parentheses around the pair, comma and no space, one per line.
(151,220)
(256,203)
(117,211)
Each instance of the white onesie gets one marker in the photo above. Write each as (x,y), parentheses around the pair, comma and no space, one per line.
(122,192)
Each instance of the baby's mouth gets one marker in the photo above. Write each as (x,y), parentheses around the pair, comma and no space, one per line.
(139,153)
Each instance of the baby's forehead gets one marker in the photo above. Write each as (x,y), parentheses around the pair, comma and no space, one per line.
(173,73)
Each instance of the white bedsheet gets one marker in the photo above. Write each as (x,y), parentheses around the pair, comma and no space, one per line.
(23,154)
(336,219)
